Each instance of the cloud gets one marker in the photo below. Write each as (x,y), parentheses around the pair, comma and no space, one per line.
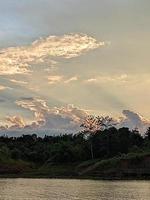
(18,60)
(54,79)
(17,121)
(133,121)
(69,46)
(18,82)
(108,79)
(66,118)
(74,78)
(2,87)
(91,80)
(37,106)
(128,81)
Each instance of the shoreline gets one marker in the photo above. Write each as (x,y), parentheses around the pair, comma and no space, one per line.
(115,178)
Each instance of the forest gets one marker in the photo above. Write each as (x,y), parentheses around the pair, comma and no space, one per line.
(91,144)
(73,148)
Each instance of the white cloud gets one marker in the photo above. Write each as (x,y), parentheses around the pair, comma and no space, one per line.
(133,121)
(18,60)
(2,87)
(54,79)
(64,118)
(108,79)
(17,121)
(18,81)
(74,78)
(129,80)
(37,106)
(91,80)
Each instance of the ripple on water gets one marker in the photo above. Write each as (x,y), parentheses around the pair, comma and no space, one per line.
(61,189)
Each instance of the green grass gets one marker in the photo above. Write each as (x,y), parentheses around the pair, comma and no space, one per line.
(114,163)
(70,170)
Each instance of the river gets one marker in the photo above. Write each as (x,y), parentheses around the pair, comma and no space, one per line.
(65,189)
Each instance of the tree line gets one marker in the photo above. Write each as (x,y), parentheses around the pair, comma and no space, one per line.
(98,140)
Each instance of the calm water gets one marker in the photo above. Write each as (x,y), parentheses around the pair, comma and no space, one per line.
(56,189)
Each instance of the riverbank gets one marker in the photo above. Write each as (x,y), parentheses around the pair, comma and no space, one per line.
(33,176)
(127,167)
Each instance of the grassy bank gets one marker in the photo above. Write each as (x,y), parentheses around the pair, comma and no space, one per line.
(130,166)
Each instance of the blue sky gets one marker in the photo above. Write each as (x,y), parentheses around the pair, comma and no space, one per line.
(105,70)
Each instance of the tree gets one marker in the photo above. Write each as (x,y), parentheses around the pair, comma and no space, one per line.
(105,122)
(15,154)
(92,124)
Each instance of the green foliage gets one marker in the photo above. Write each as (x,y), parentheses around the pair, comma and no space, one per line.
(106,144)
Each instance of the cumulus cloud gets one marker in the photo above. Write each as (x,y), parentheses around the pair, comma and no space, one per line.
(133,121)
(66,118)
(37,106)
(63,119)
(16,121)
(18,60)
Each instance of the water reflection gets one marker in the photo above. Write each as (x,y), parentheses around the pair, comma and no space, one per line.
(60,189)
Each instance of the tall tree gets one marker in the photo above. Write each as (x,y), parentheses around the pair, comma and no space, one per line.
(92,124)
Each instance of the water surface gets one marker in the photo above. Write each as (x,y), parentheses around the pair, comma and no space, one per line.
(61,189)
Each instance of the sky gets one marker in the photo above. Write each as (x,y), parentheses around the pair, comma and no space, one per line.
(65,59)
